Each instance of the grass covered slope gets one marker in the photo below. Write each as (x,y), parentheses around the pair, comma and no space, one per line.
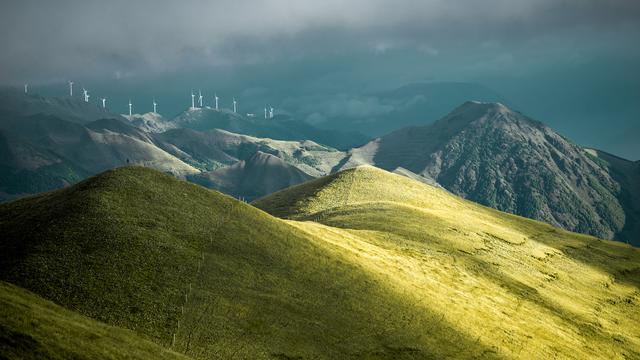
(141,250)
(518,287)
(34,328)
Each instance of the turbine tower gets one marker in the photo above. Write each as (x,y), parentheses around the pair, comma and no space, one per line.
(130,107)
(193,100)
(235,105)
(155,106)
(85,93)
(217,98)
(265,112)
(200,97)
(26,88)
(71,88)
(104,103)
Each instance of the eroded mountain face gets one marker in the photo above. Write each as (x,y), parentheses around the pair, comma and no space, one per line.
(490,154)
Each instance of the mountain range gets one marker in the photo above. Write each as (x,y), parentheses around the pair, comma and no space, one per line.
(138,264)
(484,152)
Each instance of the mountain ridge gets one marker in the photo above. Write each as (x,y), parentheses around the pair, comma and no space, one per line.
(500,158)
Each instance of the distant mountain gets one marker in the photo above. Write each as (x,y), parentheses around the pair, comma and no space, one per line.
(16,103)
(150,122)
(211,149)
(43,152)
(259,175)
(490,154)
(281,127)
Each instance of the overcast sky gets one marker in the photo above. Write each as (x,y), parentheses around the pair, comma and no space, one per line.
(47,40)
(570,63)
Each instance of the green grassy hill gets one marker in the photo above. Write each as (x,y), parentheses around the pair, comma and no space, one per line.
(33,328)
(141,250)
(392,269)
(519,287)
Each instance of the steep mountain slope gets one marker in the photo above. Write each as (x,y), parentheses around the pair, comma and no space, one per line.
(33,328)
(500,158)
(627,174)
(280,127)
(259,175)
(141,250)
(520,287)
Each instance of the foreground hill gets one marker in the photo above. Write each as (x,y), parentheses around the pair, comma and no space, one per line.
(521,288)
(33,328)
(140,250)
(497,157)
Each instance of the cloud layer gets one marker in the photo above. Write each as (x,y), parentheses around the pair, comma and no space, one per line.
(49,40)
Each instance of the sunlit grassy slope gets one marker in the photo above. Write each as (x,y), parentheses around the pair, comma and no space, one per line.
(513,286)
(140,250)
(33,328)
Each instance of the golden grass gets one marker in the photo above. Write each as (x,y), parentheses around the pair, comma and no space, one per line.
(520,288)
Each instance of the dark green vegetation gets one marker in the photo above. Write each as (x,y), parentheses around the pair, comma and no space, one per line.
(34,328)
(392,269)
(497,157)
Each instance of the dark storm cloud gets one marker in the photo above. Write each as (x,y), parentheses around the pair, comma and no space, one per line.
(49,40)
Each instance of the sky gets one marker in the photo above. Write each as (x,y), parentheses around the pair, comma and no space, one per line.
(570,63)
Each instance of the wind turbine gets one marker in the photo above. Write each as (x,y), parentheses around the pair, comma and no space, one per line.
(71,88)
(200,97)
(235,105)
(130,106)
(155,106)
(104,103)
(193,100)
(217,98)
(85,93)
(26,88)
(265,112)
(270,112)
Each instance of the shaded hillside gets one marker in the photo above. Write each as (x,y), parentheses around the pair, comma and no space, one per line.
(259,175)
(34,328)
(141,250)
(522,288)
(627,174)
(43,152)
(500,158)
